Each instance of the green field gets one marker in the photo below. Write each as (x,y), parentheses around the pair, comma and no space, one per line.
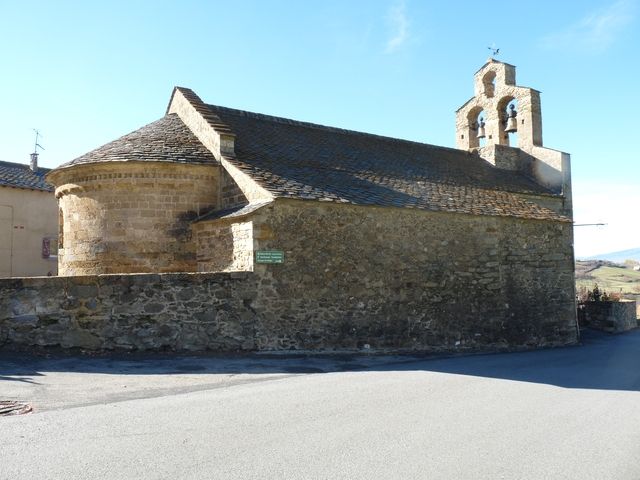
(609,278)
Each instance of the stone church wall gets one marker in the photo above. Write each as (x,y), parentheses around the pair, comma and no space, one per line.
(124,217)
(353,278)
(409,279)
(231,194)
(224,246)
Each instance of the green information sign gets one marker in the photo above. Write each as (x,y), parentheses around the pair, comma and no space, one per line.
(269,256)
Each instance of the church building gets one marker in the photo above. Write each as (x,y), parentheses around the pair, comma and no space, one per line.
(388,242)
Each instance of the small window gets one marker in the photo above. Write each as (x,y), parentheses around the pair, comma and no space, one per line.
(60,229)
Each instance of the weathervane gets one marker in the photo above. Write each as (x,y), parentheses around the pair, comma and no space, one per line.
(494,51)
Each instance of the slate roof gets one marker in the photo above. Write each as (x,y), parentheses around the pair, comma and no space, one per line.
(19,175)
(301,160)
(165,140)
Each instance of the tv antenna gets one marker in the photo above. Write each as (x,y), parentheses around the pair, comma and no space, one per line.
(37,145)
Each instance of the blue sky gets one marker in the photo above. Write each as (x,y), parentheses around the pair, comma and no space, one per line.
(85,73)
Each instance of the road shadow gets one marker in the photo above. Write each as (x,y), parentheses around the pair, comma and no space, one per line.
(601,361)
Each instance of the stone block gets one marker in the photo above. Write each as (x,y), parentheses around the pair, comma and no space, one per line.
(154,308)
(80,339)
(23,321)
(83,291)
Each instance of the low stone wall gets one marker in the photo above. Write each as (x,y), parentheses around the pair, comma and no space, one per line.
(612,317)
(137,311)
(220,312)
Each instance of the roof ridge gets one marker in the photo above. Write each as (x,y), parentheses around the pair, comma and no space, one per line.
(24,165)
(203,109)
(317,126)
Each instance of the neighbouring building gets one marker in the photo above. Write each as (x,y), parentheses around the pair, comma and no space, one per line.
(28,221)
(348,237)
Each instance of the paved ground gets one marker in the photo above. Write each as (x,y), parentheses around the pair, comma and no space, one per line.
(565,413)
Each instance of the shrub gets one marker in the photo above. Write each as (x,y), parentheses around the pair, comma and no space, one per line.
(584,295)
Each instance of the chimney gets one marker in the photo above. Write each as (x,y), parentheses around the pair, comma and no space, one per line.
(34,162)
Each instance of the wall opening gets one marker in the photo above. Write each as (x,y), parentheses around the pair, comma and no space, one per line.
(489,83)
(475,119)
(508,117)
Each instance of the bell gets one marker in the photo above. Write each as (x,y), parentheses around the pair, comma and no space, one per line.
(481,133)
(512,123)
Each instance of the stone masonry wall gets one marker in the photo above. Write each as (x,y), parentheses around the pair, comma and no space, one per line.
(224,246)
(412,280)
(125,217)
(612,317)
(231,193)
(354,278)
(550,168)
(142,312)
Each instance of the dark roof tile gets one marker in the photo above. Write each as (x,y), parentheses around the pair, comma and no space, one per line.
(19,175)
(165,140)
(301,160)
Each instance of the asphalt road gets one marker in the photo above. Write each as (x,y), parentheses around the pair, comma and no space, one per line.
(570,413)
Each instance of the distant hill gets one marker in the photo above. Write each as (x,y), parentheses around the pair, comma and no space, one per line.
(617,257)
(585,268)
(609,276)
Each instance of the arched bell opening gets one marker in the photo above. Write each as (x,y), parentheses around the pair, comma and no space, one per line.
(508,121)
(476,130)
(489,83)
